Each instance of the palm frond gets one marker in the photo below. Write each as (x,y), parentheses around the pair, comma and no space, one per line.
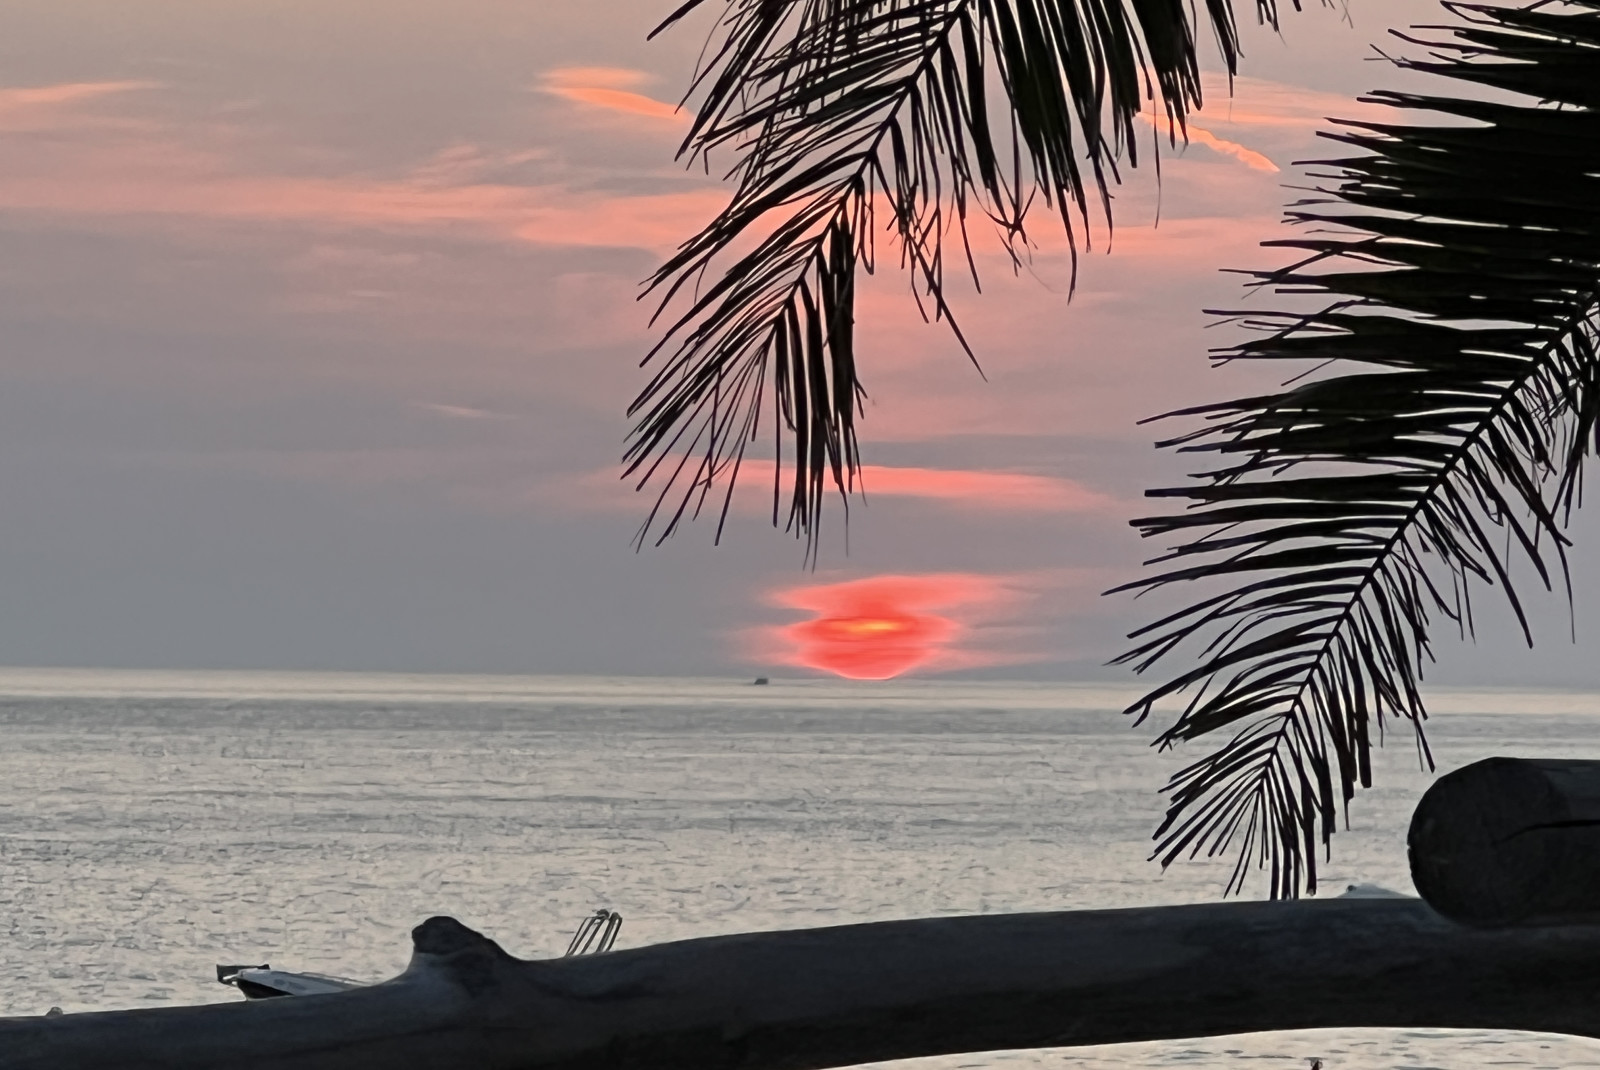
(931,111)
(1438,448)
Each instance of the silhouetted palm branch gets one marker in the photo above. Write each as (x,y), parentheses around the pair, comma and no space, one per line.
(1440,445)
(835,110)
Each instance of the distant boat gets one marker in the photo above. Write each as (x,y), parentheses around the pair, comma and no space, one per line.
(761,681)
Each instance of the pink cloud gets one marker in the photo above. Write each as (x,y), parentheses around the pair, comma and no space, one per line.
(462,412)
(1051,367)
(95,165)
(56,109)
(1260,102)
(1130,343)
(172,180)
(1013,492)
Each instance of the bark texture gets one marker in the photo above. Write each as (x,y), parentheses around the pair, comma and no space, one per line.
(817,998)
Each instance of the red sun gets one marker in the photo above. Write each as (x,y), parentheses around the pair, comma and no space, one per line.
(873,643)
(878,628)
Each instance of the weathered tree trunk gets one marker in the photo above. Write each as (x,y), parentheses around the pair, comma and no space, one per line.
(831,997)
(1510,841)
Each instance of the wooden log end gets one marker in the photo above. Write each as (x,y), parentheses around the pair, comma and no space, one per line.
(1511,841)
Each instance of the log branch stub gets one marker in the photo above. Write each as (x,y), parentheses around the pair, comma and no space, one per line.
(466,958)
(444,936)
(1511,841)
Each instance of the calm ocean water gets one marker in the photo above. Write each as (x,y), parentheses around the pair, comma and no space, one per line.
(153,824)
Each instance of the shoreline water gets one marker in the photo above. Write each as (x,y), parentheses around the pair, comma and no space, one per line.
(355,686)
(149,832)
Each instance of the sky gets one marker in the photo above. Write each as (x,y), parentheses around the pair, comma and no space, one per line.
(321,317)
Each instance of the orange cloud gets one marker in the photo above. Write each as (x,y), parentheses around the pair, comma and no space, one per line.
(462,412)
(603,87)
(1249,157)
(884,626)
(1199,136)
(621,100)
(34,96)
(1010,491)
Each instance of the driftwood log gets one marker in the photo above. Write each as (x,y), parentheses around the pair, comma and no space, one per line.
(1510,841)
(829,997)
(1510,847)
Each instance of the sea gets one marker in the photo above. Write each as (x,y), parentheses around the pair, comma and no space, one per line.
(155,824)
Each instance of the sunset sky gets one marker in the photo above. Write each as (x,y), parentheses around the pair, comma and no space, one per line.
(320,321)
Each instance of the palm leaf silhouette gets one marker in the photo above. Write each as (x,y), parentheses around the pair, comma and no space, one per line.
(933,111)
(1439,445)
